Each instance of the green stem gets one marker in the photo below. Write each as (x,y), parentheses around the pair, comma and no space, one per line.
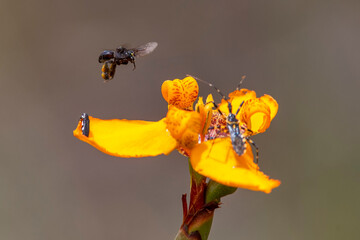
(215,191)
(195,177)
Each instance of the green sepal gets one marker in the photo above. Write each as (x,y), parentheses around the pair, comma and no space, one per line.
(215,191)
(196,177)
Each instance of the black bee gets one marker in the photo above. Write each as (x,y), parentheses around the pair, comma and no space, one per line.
(123,56)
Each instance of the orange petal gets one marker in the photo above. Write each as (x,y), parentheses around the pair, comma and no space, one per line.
(242,93)
(184,126)
(217,160)
(180,93)
(236,98)
(256,115)
(209,99)
(199,107)
(126,138)
(208,110)
(272,104)
(224,107)
(205,113)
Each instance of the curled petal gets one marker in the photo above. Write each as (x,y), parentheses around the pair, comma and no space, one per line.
(256,115)
(127,138)
(205,111)
(217,160)
(208,110)
(184,126)
(200,108)
(271,103)
(180,93)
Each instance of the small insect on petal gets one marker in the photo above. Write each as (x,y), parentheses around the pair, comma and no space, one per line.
(234,130)
(85,124)
(127,138)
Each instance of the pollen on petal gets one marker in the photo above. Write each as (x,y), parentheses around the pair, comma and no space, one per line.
(217,160)
(180,93)
(128,138)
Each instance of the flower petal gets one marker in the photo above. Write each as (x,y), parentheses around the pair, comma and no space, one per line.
(236,98)
(184,126)
(217,160)
(180,93)
(242,93)
(271,103)
(256,115)
(127,138)
(205,113)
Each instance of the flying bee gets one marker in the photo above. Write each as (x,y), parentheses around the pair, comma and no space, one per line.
(234,130)
(122,56)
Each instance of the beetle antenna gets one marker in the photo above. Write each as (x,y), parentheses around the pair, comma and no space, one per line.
(241,81)
(211,85)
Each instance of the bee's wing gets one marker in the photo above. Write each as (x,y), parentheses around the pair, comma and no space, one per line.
(145,49)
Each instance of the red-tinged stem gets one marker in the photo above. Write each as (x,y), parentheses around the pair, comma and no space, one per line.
(197,218)
(184,204)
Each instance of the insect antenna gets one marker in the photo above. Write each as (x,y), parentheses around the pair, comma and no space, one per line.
(217,90)
(211,85)
(241,81)
(239,108)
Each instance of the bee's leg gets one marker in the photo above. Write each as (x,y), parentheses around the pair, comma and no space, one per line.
(133,62)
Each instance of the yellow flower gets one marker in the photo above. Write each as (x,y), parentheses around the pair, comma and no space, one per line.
(200,134)
(216,157)
(135,138)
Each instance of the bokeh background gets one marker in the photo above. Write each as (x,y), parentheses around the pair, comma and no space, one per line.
(305,54)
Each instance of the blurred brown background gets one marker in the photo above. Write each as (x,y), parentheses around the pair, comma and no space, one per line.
(305,54)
